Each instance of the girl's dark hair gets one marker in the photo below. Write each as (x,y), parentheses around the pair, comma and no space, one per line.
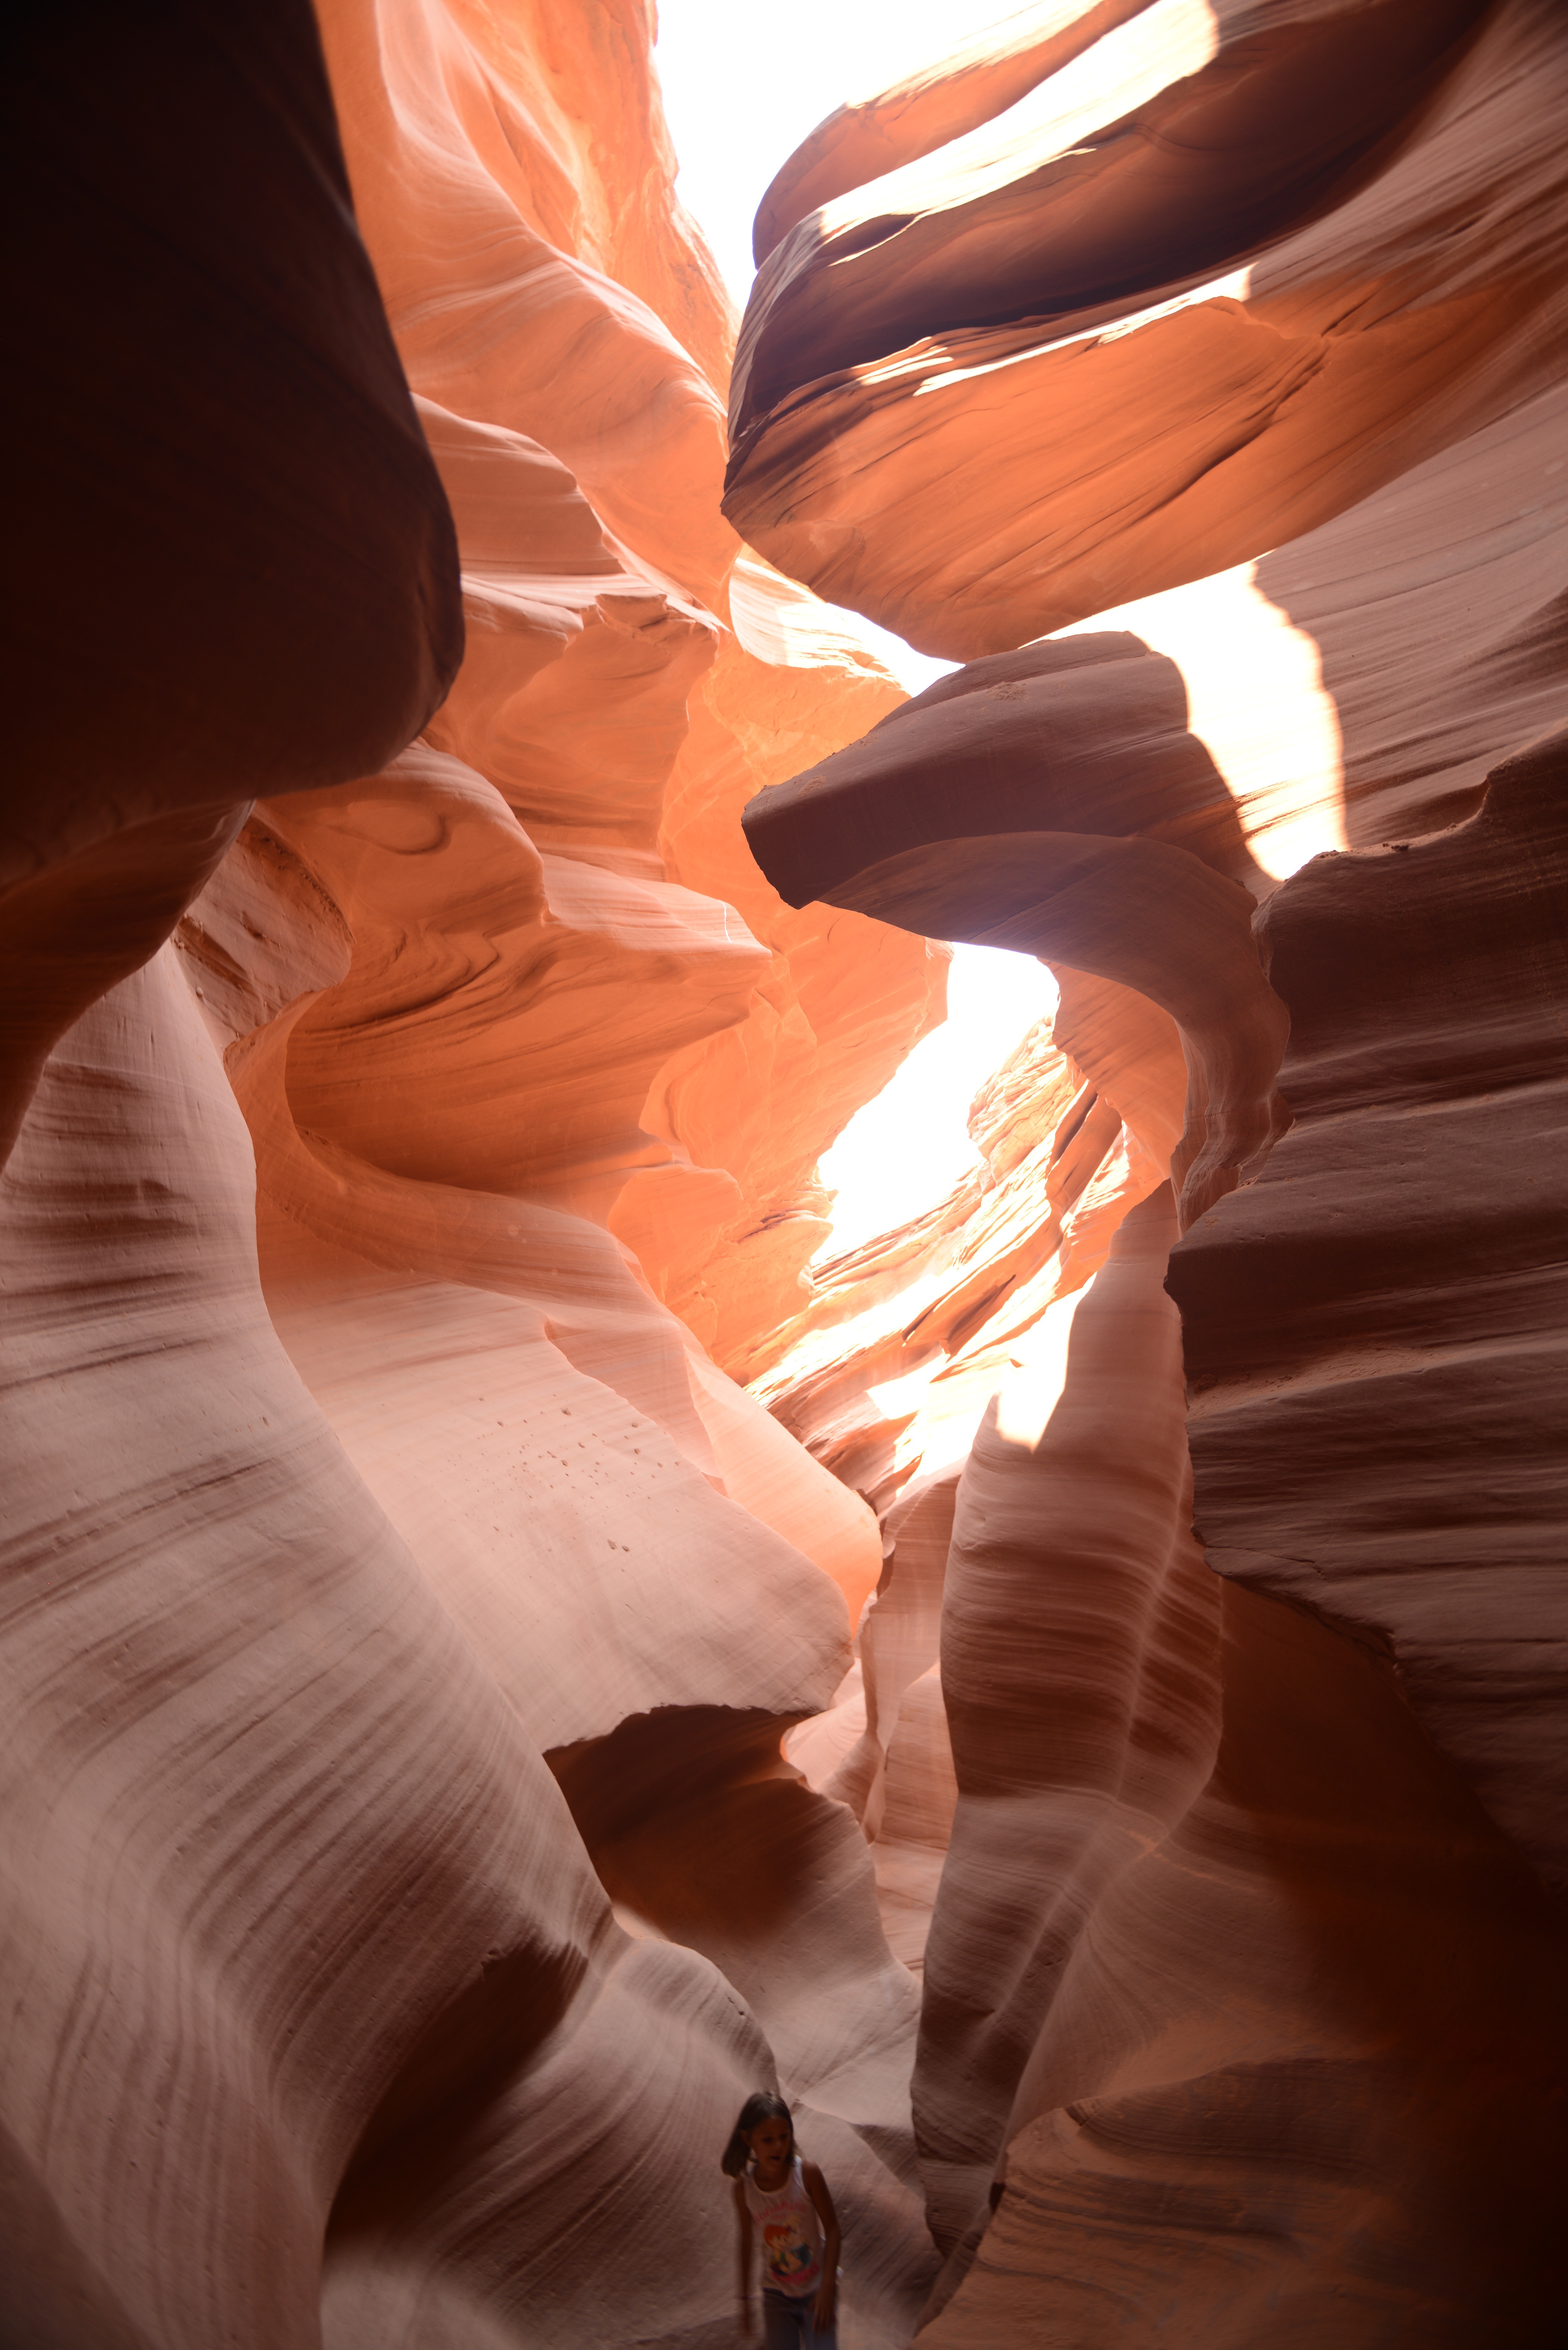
(764,2107)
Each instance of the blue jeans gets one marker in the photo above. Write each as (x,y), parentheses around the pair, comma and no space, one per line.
(786,2323)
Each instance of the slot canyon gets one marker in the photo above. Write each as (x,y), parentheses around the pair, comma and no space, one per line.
(510,1643)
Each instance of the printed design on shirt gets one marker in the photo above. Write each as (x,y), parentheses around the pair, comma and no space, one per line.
(788,2255)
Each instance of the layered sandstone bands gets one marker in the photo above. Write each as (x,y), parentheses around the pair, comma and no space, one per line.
(372,1394)
(271,1821)
(921,329)
(1190,2063)
(1426,1072)
(404,1602)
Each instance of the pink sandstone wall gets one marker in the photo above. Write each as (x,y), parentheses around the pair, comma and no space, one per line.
(1233,1866)
(415,1079)
(356,1465)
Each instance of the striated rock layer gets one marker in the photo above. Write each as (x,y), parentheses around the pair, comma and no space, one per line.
(404,1608)
(1237,1894)
(293,1901)
(415,1087)
(1253,264)
(1422,1353)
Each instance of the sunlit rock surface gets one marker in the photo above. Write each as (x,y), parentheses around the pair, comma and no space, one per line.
(1237,1894)
(435,1487)
(1232,271)
(404,1606)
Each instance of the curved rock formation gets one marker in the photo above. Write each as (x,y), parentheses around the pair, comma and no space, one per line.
(1427,987)
(1041,777)
(861,142)
(289,1891)
(1377,185)
(438,1783)
(399,1594)
(237,345)
(1238,2016)
(755,1105)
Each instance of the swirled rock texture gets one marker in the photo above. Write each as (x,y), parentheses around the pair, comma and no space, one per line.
(1427,987)
(294,1905)
(438,1779)
(1042,310)
(403,1606)
(1237,346)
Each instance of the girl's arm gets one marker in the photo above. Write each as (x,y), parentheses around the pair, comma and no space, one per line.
(827,2290)
(743,2215)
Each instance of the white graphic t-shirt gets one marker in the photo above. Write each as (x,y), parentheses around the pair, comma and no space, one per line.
(789,2232)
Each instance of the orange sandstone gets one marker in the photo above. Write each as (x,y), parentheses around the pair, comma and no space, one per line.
(405,1601)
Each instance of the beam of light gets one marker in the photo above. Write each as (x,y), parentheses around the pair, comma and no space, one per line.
(905,1150)
(742,88)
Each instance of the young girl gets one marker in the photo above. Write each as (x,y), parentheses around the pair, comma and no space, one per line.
(783,2201)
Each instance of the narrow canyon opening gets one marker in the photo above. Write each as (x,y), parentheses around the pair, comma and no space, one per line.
(781,1276)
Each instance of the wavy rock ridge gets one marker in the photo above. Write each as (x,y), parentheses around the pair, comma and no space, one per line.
(1237,1894)
(414,1089)
(403,1606)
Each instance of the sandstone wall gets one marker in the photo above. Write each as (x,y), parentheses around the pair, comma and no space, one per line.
(405,1606)
(1238,2020)
(415,1084)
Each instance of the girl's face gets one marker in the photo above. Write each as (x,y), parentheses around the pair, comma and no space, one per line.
(771,2143)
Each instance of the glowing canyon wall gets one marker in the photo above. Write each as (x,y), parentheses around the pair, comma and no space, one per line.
(1234,1865)
(433,1489)
(355,1464)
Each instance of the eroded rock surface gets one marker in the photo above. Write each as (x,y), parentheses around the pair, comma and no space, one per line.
(211,395)
(1159,1930)
(347,2007)
(1252,264)
(1238,1863)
